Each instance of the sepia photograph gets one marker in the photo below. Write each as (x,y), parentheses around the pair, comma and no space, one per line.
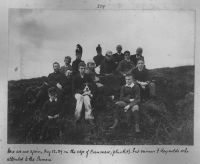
(93,77)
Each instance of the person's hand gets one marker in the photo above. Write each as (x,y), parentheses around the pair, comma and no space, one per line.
(131,100)
(86,93)
(99,85)
(59,85)
(45,83)
(56,116)
(126,108)
(96,79)
(50,117)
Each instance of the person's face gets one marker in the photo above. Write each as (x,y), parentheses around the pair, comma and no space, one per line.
(119,49)
(67,61)
(91,66)
(139,52)
(126,56)
(140,64)
(78,56)
(129,80)
(87,70)
(82,70)
(108,57)
(53,96)
(99,51)
(56,67)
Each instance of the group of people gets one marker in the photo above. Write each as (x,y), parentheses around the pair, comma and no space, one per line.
(82,82)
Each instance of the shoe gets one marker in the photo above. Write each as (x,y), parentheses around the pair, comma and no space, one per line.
(114,125)
(91,122)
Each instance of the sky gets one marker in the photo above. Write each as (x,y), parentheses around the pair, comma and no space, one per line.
(39,37)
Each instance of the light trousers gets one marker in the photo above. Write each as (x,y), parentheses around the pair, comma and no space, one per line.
(86,100)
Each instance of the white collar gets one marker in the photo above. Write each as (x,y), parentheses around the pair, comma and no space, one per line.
(132,85)
(140,69)
(52,100)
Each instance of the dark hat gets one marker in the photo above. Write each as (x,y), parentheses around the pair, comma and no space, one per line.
(98,48)
(139,50)
(79,49)
(127,52)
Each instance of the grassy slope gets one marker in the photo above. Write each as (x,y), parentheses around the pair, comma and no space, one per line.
(172,86)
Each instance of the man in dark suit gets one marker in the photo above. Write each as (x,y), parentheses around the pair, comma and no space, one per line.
(118,56)
(125,66)
(108,66)
(138,55)
(147,86)
(67,65)
(128,103)
(55,79)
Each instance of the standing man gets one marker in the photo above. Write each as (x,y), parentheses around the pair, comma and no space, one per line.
(99,57)
(83,89)
(119,56)
(108,65)
(67,65)
(128,103)
(125,66)
(147,87)
(138,55)
(76,62)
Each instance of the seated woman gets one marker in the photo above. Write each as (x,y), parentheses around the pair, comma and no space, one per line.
(147,87)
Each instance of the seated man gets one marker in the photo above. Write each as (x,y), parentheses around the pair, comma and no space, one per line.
(90,70)
(128,103)
(83,90)
(67,65)
(119,56)
(108,65)
(78,60)
(52,112)
(55,79)
(147,87)
(138,55)
(99,57)
(125,66)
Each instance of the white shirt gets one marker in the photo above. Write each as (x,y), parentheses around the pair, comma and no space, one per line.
(132,85)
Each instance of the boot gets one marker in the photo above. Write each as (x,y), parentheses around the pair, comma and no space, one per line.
(115,124)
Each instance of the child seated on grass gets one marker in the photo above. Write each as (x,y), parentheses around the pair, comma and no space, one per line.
(52,113)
